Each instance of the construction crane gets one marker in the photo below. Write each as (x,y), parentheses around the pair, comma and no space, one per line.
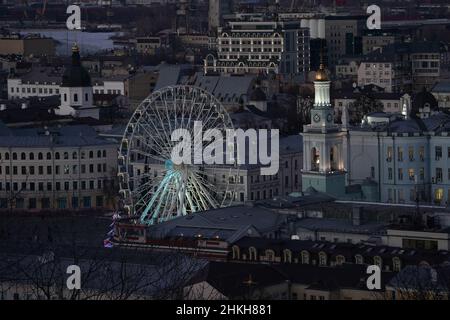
(25,9)
(40,13)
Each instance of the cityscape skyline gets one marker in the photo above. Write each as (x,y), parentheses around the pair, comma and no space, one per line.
(224,150)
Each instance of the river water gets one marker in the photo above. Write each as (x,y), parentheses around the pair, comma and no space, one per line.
(89,42)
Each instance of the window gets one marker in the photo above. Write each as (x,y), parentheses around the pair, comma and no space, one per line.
(396,264)
(322,258)
(378,261)
(252,253)
(390,175)
(400,174)
(270,255)
(411,174)
(400,154)
(340,260)
(389,154)
(438,195)
(287,256)
(411,153)
(305,257)
(438,153)
(439,175)
(236,253)
(359,259)
(422,153)
(75,97)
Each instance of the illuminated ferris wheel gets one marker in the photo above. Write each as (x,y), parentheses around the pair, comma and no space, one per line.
(152,186)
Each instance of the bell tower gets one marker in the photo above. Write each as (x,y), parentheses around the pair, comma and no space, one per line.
(323,140)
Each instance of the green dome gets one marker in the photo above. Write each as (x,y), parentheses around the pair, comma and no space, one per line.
(76,75)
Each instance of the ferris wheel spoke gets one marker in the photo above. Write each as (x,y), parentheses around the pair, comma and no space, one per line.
(203,194)
(176,190)
(159,139)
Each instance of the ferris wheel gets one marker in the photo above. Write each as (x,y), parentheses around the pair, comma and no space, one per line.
(152,186)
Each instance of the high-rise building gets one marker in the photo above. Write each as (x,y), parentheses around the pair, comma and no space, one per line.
(217,8)
(344,36)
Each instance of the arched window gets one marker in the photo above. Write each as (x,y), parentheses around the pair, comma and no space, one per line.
(322,258)
(7,156)
(40,156)
(49,156)
(333,158)
(396,264)
(74,155)
(315,159)
(270,255)
(14,156)
(252,253)
(104,153)
(91,154)
(340,260)
(23,156)
(287,256)
(31,156)
(57,157)
(424,264)
(99,154)
(378,261)
(236,253)
(359,259)
(66,156)
(305,257)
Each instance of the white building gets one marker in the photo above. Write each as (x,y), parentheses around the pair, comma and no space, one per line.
(261,46)
(44,82)
(396,159)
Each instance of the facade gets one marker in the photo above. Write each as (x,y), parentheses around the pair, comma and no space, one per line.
(441,91)
(27,46)
(392,102)
(56,168)
(329,254)
(372,42)
(396,159)
(343,35)
(148,45)
(404,67)
(261,46)
(347,70)
(380,72)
